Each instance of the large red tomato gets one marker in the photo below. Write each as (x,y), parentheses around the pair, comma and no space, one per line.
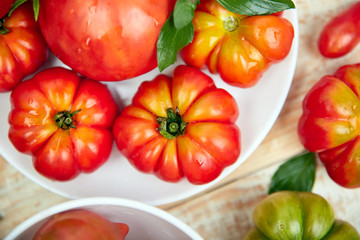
(5,6)
(106,40)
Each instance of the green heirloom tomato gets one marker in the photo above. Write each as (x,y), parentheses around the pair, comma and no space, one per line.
(297,215)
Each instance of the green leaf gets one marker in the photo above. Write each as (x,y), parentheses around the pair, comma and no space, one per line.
(15,5)
(296,174)
(184,12)
(3,30)
(36,7)
(256,7)
(171,41)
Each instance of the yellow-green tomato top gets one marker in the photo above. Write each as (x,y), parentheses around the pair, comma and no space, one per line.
(297,216)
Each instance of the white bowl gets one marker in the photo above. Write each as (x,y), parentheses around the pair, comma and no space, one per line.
(259,107)
(144,221)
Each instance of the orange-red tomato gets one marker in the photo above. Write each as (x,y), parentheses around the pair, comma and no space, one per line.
(180,126)
(330,125)
(239,47)
(63,121)
(22,47)
(80,224)
(105,40)
(341,34)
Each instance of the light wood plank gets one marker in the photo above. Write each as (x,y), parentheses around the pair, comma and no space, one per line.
(20,198)
(226,213)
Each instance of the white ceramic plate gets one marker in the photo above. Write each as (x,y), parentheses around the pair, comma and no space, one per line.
(259,108)
(144,221)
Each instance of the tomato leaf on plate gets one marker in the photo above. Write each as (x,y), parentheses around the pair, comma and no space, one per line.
(184,12)
(256,7)
(177,32)
(171,41)
(296,174)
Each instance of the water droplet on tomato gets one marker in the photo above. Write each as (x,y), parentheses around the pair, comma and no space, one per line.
(30,101)
(156,22)
(92,9)
(79,50)
(72,11)
(87,42)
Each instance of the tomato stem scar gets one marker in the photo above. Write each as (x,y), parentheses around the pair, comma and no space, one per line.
(64,119)
(3,30)
(171,126)
(230,24)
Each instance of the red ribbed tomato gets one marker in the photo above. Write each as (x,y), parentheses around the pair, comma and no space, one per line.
(22,47)
(330,124)
(180,127)
(238,47)
(63,121)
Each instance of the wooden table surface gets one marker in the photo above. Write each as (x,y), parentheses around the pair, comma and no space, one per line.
(225,210)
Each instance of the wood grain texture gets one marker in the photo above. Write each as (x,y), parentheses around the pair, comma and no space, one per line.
(225,210)
(226,213)
(20,198)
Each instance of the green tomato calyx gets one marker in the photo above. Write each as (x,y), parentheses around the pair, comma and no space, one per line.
(231,24)
(171,126)
(64,119)
(3,29)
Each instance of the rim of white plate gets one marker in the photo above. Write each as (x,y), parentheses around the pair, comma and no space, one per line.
(293,17)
